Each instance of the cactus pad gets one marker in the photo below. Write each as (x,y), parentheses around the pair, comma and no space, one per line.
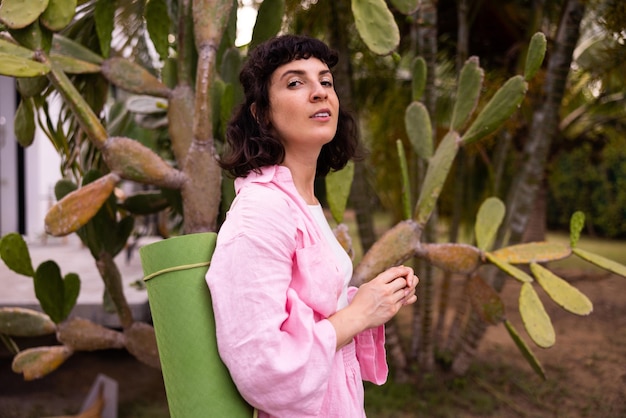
(35,363)
(419,129)
(485,300)
(376,25)
(71,65)
(537,252)
(451,257)
(510,269)
(393,247)
(58,14)
(488,220)
(79,206)
(10,48)
(563,293)
(602,262)
(133,77)
(57,296)
(576,225)
(141,343)
(406,7)
(83,335)
(468,91)
(525,350)
(535,319)
(18,14)
(338,184)
(15,254)
(438,169)
(15,66)
(21,322)
(535,56)
(24,124)
(65,46)
(134,161)
(497,110)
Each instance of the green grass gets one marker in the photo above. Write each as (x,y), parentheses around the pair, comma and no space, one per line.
(488,390)
(433,398)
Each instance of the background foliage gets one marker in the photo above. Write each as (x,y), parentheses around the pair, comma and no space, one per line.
(465,132)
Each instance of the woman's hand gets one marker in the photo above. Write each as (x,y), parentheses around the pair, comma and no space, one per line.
(380,299)
(375,303)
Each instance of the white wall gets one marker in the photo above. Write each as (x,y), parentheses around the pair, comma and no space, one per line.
(41,172)
(8,158)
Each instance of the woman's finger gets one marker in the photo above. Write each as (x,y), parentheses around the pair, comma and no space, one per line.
(398,284)
(393,273)
(411,299)
(413,281)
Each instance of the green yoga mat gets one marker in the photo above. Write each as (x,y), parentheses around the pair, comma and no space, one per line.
(197,383)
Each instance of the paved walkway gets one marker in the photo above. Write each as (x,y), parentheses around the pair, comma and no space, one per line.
(73,257)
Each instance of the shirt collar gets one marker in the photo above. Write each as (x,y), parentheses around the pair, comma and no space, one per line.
(268,174)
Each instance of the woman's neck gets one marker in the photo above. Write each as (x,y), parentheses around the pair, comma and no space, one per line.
(303,175)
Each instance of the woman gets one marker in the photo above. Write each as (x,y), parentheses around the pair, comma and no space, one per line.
(295,338)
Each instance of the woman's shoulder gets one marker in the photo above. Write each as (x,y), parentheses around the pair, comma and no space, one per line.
(259,212)
(260,205)
(263,195)
(267,199)
(270,188)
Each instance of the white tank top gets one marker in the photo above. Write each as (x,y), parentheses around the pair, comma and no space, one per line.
(343,259)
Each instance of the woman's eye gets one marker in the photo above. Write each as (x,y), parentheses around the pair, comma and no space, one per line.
(327,83)
(294,83)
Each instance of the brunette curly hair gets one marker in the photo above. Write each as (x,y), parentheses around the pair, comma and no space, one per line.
(250,143)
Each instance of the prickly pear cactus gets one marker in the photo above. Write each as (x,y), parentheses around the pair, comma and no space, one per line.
(376,25)
(404,240)
(19,14)
(197,93)
(40,57)
(21,322)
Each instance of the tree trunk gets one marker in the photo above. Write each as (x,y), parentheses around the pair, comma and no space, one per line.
(544,128)
(545,122)
(462,41)
(536,227)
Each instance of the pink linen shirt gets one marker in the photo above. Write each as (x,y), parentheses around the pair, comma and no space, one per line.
(274,281)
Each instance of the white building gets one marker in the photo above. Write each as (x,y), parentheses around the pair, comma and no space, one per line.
(27,176)
(27,179)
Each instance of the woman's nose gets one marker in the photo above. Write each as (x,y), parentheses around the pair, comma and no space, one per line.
(318,92)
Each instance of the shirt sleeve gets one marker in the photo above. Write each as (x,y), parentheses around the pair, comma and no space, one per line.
(370,351)
(279,353)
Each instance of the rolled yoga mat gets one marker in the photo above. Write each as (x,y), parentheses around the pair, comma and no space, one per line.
(197,383)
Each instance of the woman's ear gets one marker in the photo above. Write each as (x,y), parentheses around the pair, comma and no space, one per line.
(253,111)
(256,116)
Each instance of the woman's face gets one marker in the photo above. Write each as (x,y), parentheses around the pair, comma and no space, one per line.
(304,107)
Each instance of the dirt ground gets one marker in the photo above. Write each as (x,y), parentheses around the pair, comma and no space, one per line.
(586,368)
